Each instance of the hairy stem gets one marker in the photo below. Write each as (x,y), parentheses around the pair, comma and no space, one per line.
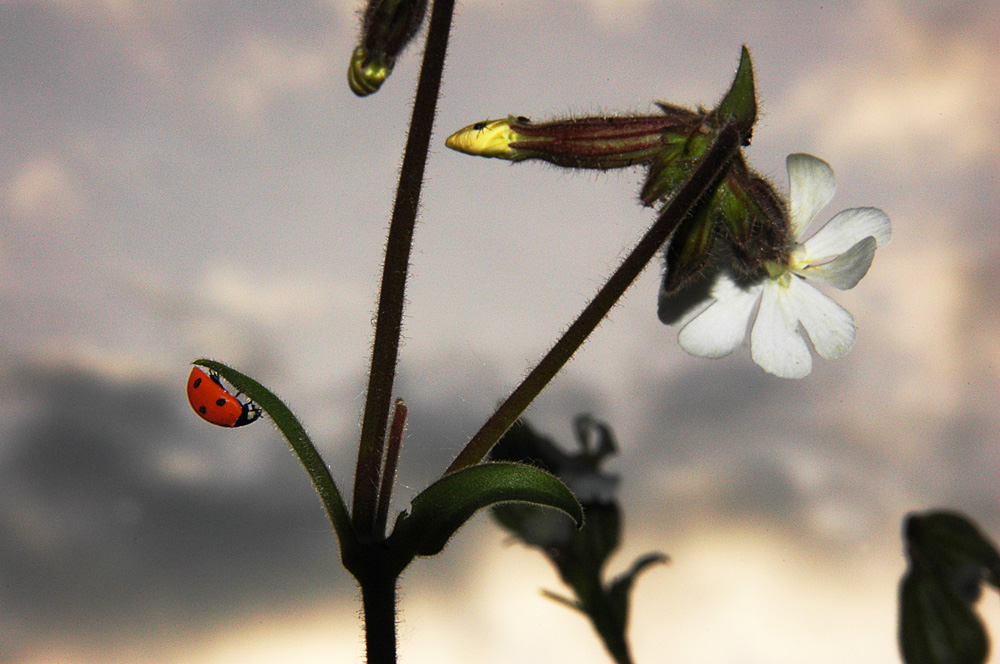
(712,166)
(388,325)
(378,595)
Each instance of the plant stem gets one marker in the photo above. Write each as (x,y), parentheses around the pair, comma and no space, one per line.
(388,325)
(609,628)
(378,595)
(713,165)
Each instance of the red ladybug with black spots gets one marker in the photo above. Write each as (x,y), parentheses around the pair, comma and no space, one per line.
(215,404)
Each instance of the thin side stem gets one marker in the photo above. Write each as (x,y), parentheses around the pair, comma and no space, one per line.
(713,165)
(394,444)
(388,324)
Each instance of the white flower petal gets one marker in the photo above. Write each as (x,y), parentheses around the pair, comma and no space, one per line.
(720,328)
(775,342)
(811,186)
(847,229)
(830,326)
(847,269)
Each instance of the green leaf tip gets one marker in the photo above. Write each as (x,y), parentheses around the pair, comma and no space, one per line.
(443,507)
(740,103)
(296,436)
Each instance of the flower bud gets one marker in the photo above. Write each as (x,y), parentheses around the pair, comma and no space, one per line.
(366,74)
(386,28)
(589,142)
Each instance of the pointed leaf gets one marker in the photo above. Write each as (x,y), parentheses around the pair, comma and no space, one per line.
(303,447)
(443,507)
(621,586)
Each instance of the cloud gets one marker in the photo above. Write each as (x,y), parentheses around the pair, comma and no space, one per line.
(260,70)
(120,516)
(927,94)
(44,190)
(277,299)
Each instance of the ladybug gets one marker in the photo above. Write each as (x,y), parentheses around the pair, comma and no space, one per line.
(215,404)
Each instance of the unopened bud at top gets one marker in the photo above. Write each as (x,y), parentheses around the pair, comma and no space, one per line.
(589,142)
(386,28)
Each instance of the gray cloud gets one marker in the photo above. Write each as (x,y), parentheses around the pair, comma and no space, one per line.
(100,542)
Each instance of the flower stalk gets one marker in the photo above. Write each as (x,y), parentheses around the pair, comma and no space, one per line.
(388,324)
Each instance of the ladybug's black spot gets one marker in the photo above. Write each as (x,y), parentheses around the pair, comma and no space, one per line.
(202,410)
(220,401)
(197,383)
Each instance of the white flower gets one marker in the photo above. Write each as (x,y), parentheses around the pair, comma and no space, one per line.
(838,254)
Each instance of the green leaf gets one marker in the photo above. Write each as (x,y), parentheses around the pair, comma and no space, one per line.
(740,103)
(443,507)
(304,449)
(936,625)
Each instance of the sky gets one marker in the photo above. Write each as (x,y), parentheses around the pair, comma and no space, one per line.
(195,179)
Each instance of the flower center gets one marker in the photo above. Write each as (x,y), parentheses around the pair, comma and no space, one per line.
(779,272)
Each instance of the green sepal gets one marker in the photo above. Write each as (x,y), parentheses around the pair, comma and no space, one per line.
(690,247)
(443,507)
(733,209)
(936,626)
(740,103)
(298,439)
(679,156)
(760,235)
